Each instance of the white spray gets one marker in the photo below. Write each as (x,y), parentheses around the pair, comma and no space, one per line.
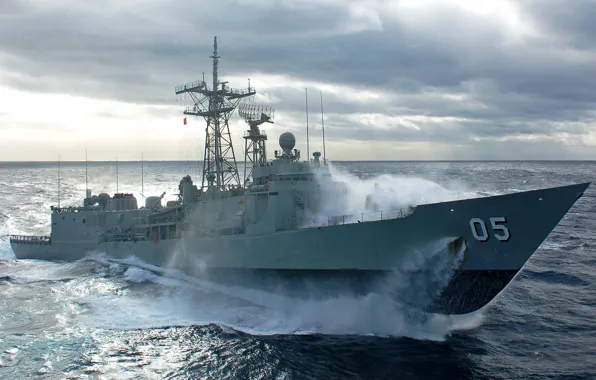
(390,310)
(392,196)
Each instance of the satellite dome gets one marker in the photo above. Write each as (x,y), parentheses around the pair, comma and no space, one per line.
(102,199)
(287,141)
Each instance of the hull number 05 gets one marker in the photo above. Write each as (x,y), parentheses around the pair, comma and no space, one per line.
(480,232)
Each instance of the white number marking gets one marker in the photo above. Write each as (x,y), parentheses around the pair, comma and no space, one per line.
(499,227)
(496,225)
(477,221)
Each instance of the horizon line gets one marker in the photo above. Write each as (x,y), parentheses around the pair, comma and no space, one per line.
(201,161)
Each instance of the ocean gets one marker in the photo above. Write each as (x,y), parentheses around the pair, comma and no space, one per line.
(102,319)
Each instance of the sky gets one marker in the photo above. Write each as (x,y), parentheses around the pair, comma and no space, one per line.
(400,79)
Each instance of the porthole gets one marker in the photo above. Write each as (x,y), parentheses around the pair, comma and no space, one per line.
(84,221)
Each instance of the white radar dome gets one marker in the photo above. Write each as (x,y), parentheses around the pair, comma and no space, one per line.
(287,141)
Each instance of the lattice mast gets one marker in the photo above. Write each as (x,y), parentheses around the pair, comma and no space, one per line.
(255,152)
(216,105)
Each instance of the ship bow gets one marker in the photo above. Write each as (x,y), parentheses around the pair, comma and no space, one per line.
(500,234)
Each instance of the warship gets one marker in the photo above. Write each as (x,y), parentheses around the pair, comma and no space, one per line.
(279,222)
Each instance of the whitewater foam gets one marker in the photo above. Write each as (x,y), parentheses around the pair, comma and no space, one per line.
(189,301)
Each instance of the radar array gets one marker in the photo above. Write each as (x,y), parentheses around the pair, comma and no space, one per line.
(255,153)
(216,104)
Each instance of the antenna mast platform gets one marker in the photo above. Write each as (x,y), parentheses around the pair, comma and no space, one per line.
(255,152)
(216,104)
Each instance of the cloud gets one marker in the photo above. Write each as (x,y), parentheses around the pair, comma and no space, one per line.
(572,25)
(459,74)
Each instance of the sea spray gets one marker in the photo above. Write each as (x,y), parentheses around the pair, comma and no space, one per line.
(190,300)
(344,195)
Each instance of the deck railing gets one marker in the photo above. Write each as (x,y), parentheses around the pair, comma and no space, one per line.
(24,239)
(308,223)
(320,221)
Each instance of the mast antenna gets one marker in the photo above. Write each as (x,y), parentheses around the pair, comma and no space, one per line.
(86,178)
(58,181)
(116,174)
(307,141)
(216,104)
(323,127)
(142,176)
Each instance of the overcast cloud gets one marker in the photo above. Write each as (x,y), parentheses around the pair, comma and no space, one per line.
(400,79)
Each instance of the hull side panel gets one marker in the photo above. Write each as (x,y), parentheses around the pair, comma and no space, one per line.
(470,290)
(378,245)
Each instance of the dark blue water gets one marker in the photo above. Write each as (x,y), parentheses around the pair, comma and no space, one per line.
(101,319)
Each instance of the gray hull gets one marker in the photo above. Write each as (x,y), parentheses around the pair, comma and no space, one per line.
(496,235)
